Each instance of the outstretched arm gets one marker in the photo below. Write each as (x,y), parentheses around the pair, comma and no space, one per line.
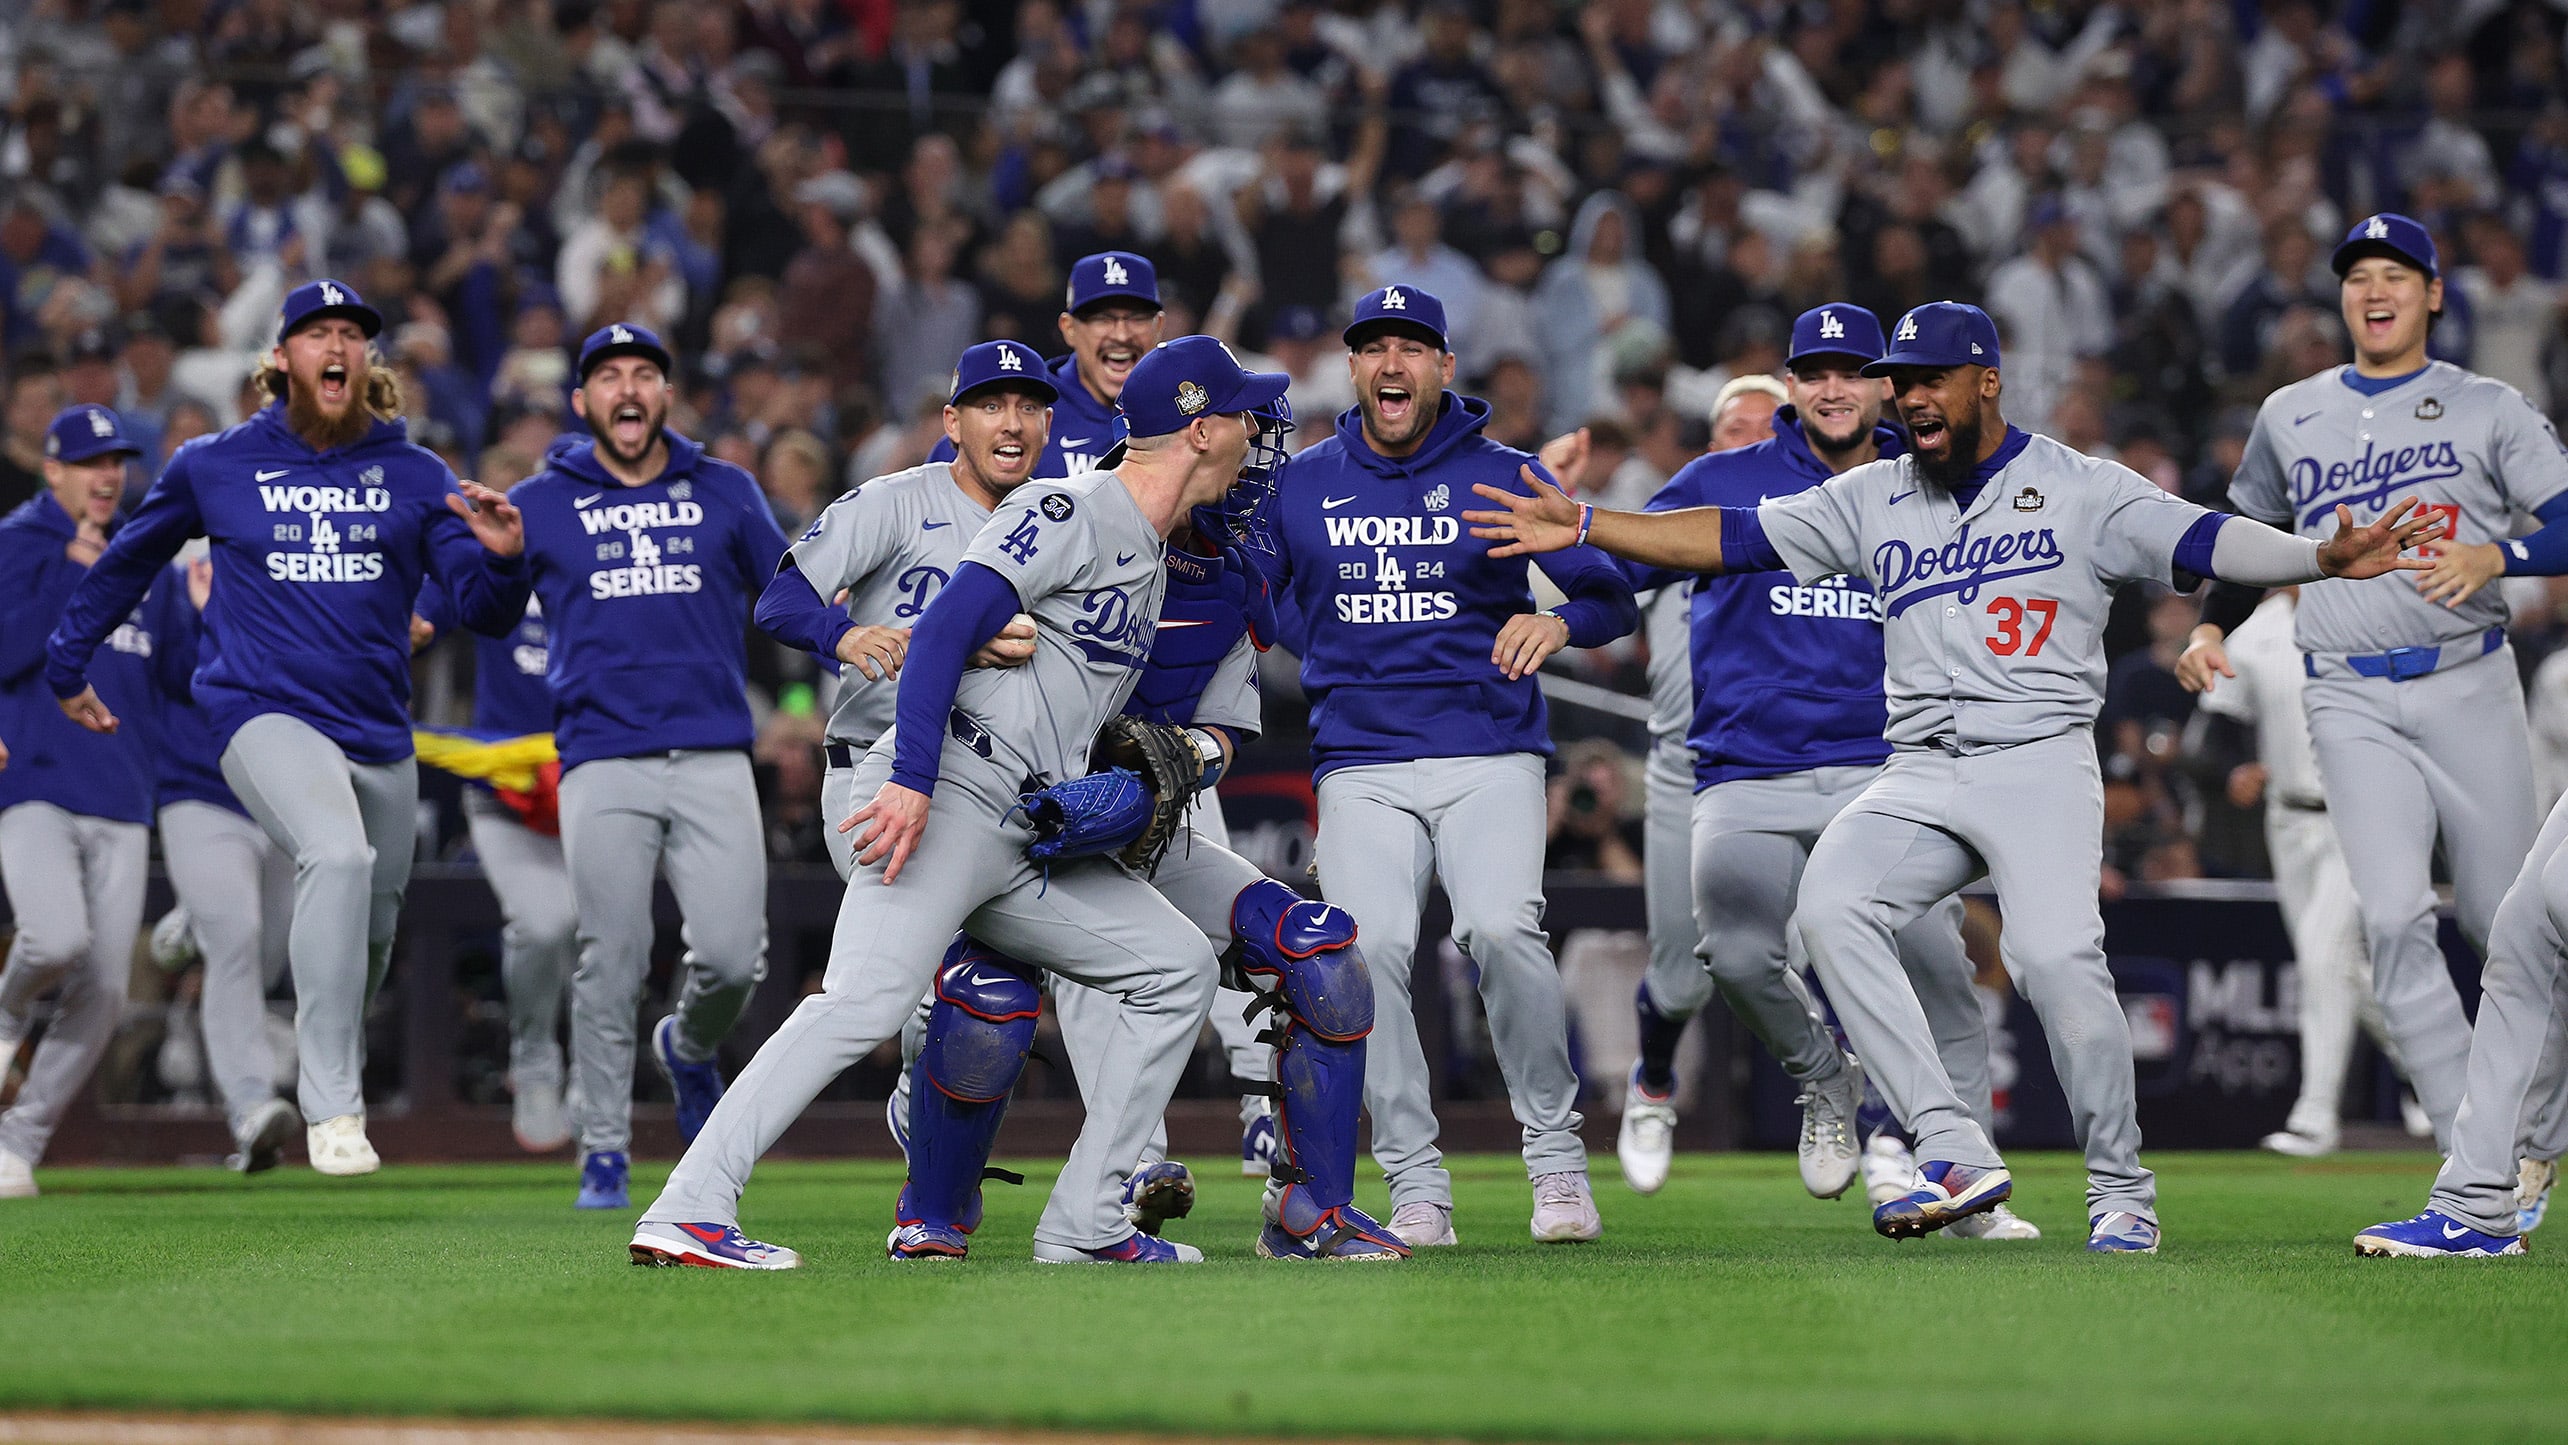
(1688,540)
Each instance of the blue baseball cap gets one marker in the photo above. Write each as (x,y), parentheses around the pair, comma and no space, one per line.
(318,300)
(79,433)
(1111,276)
(1011,364)
(1193,376)
(621,338)
(1398,308)
(1837,328)
(1940,333)
(2387,234)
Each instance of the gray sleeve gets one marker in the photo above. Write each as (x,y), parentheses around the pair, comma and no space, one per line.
(1230,700)
(2138,526)
(1816,531)
(2260,490)
(1042,539)
(2525,453)
(2254,555)
(853,536)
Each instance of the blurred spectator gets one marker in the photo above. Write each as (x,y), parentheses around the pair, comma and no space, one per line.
(1418,256)
(1262,96)
(2289,277)
(610,269)
(1021,285)
(2051,309)
(921,325)
(1586,305)
(794,473)
(825,306)
(2515,314)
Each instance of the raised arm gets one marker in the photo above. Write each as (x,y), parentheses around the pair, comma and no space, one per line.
(478,552)
(1687,540)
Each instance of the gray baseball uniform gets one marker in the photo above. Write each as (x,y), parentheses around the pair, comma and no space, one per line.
(2523,995)
(1994,660)
(1678,982)
(540,939)
(2415,709)
(238,889)
(1089,567)
(75,884)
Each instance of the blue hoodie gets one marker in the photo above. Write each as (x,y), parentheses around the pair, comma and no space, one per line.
(510,695)
(1786,678)
(1082,428)
(647,593)
(1397,605)
(317,558)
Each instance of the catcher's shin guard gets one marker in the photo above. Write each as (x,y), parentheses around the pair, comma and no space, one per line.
(1305,953)
(978,1030)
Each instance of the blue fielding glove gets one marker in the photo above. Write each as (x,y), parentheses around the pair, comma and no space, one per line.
(1087,816)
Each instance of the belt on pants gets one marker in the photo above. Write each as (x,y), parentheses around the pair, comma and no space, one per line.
(2403,664)
(967,729)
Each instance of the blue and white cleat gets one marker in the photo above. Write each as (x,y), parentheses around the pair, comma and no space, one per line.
(1945,1192)
(709,1246)
(927,1242)
(1256,1136)
(2119,1231)
(2434,1235)
(1158,1193)
(698,1086)
(1136,1249)
(2533,1181)
(1354,1237)
(602,1177)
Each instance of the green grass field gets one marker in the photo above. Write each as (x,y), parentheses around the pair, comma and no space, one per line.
(1729,1307)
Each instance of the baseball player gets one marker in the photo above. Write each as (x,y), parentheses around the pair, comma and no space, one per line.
(2415,707)
(1994,555)
(1084,558)
(323,518)
(1787,733)
(1429,736)
(647,555)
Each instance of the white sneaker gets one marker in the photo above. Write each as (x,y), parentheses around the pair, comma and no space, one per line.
(1647,1143)
(1890,1170)
(1565,1209)
(261,1138)
(1998,1222)
(174,944)
(538,1118)
(1828,1153)
(2420,1125)
(2297,1144)
(338,1146)
(17,1177)
(1423,1223)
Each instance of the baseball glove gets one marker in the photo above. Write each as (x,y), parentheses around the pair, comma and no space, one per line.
(1131,807)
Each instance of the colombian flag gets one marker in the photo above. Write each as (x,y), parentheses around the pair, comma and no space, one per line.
(523,770)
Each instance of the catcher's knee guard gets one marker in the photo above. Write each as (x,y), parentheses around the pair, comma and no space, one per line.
(1303,955)
(979,1027)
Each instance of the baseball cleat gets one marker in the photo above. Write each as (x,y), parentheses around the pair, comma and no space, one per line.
(710,1246)
(1158,1193)
(1997,1223)
(1355,1239)
(927,1242)
(1256,1136)
(2434,1235)
(1136,1249)
(174,944)
(337,1145)
(896,1116)
(1423,1224)
(1945,1192)
(697,1085)
(1565,1208)
(2298,1145)
(1646,1144)
(538,1116)
(17,1177)
(602,1181)
(1828,1153)
(1889,1169)
(2533,1179)
(2119,1231)
(261,1138)
(2413,1118)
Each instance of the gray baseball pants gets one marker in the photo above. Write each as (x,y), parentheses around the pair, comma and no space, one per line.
(1386,831)
(2031,816)
(238,889)
(2524,995)
(350,828)
(75,884)
(539,941)
(694,815)
(1679,983)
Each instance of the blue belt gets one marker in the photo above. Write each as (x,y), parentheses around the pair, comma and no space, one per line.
(2403,664)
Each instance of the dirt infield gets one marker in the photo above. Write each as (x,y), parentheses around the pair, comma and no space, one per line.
(85,1428)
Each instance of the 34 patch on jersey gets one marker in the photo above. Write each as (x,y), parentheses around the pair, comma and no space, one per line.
(1058,507)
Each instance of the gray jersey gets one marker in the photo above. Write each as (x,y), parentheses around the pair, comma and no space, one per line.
(889,545)
(2465,445)
(1993,614)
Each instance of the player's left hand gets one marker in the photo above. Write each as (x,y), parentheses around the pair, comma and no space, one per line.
(1012,647)
(2369,551)
(898,816)
(1526,640)
(495,522)
(88,711)
(1545,521)
(2460,569)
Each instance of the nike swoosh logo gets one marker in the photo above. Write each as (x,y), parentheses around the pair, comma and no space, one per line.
(2296,421)
(1125,560)
(270,476)
(1070,444)
(1904,496)
(987,980)
(1331,504)
(2451,1231)
(932,526)
(582,503)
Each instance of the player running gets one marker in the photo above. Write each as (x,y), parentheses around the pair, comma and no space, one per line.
(646,555)
(1429,736)
(323,518)
(1995,555)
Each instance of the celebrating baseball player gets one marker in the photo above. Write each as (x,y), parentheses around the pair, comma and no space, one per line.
(647,555)
(1083,557)
(1110,317)
(2415,706)
(1994,555)
(1429,735)
(323,518)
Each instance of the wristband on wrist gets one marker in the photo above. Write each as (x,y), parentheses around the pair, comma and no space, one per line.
(1586,519)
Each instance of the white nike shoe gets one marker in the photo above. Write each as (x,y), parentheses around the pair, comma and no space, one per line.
(1828,1153)
(261,1138)
(1423,1223)
(1890,1170)
(2298,1144)
(17,1177)
(1565,1208)
(338,1146)
(1647,1144)
(174,944)
(2412,1115)
(1998,1222)
(538,1117)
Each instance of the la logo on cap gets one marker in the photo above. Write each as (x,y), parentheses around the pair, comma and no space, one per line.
(2377,229)
(1392,300)
(1830,328)
(1907,328)
(332,295)
(1008,360)
(1116,275)
(617,336)
(99,425)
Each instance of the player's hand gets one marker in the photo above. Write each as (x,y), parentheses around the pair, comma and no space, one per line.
(877,652)
(1546,521)
(1526,640)
(1013,647)
(2369,551)
(893,823)
(422,632)
(1565,456)
(2204,661)
(200,581)
(86,544)
(4,757)
(494,520)
(88,711)
(2246,785)
(2461,569)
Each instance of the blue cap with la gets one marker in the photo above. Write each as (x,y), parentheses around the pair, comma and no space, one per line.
(622,338)
(1837,328)
(1011,364)
(1111,276)
(320,300)
(1939,333)
(79,433)
(2387,234)
(1190,377)
(1398,308)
